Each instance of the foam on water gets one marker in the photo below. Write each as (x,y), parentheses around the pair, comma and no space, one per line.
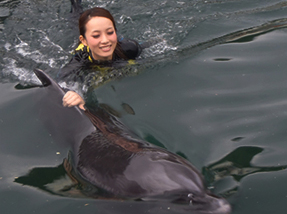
(13,72)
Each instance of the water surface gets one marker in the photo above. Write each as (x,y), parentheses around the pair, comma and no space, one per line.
(213,90)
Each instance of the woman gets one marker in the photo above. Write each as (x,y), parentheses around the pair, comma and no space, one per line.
(99,45)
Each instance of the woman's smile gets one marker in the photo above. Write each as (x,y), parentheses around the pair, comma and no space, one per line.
(106,48)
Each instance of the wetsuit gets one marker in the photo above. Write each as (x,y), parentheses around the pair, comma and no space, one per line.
(82,61)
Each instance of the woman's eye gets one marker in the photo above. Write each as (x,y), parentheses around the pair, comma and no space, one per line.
(96,36)
(111,33)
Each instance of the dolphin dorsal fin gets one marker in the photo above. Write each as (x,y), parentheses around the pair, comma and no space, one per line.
(46,81)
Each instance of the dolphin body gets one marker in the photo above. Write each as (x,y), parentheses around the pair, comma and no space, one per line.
(110,158)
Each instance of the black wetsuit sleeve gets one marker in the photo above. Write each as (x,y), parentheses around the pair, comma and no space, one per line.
(71,70)
(130,47)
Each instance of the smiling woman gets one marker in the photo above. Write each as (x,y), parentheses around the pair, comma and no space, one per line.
(99,47)
(100,37)
(99,44)
(97,28)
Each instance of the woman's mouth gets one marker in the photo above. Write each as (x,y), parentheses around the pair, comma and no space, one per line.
(106,48)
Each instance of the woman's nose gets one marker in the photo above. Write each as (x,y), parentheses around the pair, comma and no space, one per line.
(104,38)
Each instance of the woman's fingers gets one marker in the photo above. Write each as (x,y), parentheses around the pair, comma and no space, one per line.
(71,99)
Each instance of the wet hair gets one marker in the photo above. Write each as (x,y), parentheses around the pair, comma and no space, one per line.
(93,12)
(99,12)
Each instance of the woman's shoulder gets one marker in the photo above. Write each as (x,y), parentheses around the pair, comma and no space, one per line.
(80,57)
(82,53)
(131,48)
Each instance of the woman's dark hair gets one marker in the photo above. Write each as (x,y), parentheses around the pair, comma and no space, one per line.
(100,12)
(93,12)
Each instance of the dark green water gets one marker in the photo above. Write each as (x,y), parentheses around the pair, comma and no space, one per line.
(214,91)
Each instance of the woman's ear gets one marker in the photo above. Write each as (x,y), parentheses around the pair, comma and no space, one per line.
(83,40)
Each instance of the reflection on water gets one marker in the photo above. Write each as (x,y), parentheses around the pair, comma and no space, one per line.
(242,36)
(53,180)
(237,164)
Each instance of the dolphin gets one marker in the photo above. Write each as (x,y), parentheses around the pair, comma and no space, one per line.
(117,164)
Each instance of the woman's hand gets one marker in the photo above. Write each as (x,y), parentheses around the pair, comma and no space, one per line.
(72,98)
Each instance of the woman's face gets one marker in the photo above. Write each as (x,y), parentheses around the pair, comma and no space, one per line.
(101,38)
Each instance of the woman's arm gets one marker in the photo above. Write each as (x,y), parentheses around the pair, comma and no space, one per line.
(72,98)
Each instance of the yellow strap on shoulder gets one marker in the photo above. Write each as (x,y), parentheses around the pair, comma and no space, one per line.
(80,47)
(131,62)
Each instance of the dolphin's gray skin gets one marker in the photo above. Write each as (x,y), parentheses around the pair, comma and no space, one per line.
(109,157)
